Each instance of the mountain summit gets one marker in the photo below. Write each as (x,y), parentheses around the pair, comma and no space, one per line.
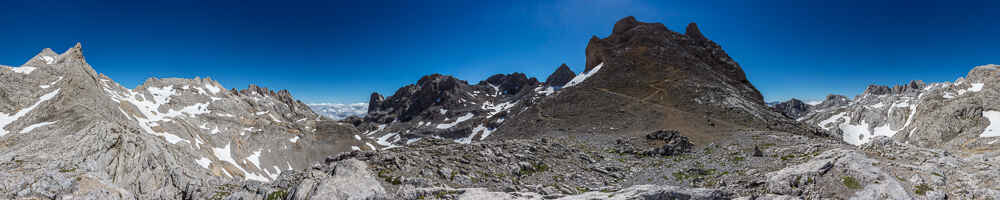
(644,77)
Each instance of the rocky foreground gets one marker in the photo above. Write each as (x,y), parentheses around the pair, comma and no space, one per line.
(756,165)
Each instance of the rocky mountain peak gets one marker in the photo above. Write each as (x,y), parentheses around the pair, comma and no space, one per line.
(693,32)
(833,100)
(560,77)
(984,73)
(624,24)
(510,83)
(434,90)
(793,108)
(912,87)
(668,74)
(374,101)
(877,90)
(47,56)
(74,54)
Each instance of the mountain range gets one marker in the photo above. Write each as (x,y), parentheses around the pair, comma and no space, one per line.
(656,114)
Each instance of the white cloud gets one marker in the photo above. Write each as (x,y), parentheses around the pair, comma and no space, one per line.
(339,110)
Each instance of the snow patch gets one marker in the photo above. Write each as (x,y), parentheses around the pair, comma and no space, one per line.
(546,91)
(24,69)
(8,119)
(976,87)
(483,131)
(461,119)
(993,130)
(294,139)
(49,59)
(255,159)
(34,126)
(203,162)
(46,86)
(384,140)
(212,88)
(860,134)
(583,76)
(225,154)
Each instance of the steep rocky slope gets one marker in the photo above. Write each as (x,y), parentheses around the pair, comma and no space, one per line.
(68,132)
(645,77)
(949,115)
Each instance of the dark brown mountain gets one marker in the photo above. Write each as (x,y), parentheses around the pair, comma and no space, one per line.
(646,77)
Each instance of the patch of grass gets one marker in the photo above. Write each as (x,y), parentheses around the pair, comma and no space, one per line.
(787,157)
(922,189)
(394,180)
(222,191)
(765,146)
(737,159)
(277,195)
(850,182)
(67,170)
(537,167)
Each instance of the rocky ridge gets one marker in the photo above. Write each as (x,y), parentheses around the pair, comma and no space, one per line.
(68,132)
(948,115)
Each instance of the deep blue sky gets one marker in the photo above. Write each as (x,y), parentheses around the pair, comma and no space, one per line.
(330,51)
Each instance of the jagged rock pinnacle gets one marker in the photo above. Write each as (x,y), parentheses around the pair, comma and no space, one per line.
(560,77)
(693,32)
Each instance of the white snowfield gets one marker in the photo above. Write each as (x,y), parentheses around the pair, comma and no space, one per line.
(149,108)
(993,130)
(6,119)
(49,59)
(24,69)
(38,125)
(225,154)
(583,76)
(458,120)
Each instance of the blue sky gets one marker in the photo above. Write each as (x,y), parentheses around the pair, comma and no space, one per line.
(341,51)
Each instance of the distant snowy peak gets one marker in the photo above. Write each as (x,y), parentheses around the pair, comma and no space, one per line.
(339,111)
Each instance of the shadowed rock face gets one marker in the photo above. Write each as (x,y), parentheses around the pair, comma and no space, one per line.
(833,100)
(560,77)
(446,107)
(511,84)
(410,101)
(793,108)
